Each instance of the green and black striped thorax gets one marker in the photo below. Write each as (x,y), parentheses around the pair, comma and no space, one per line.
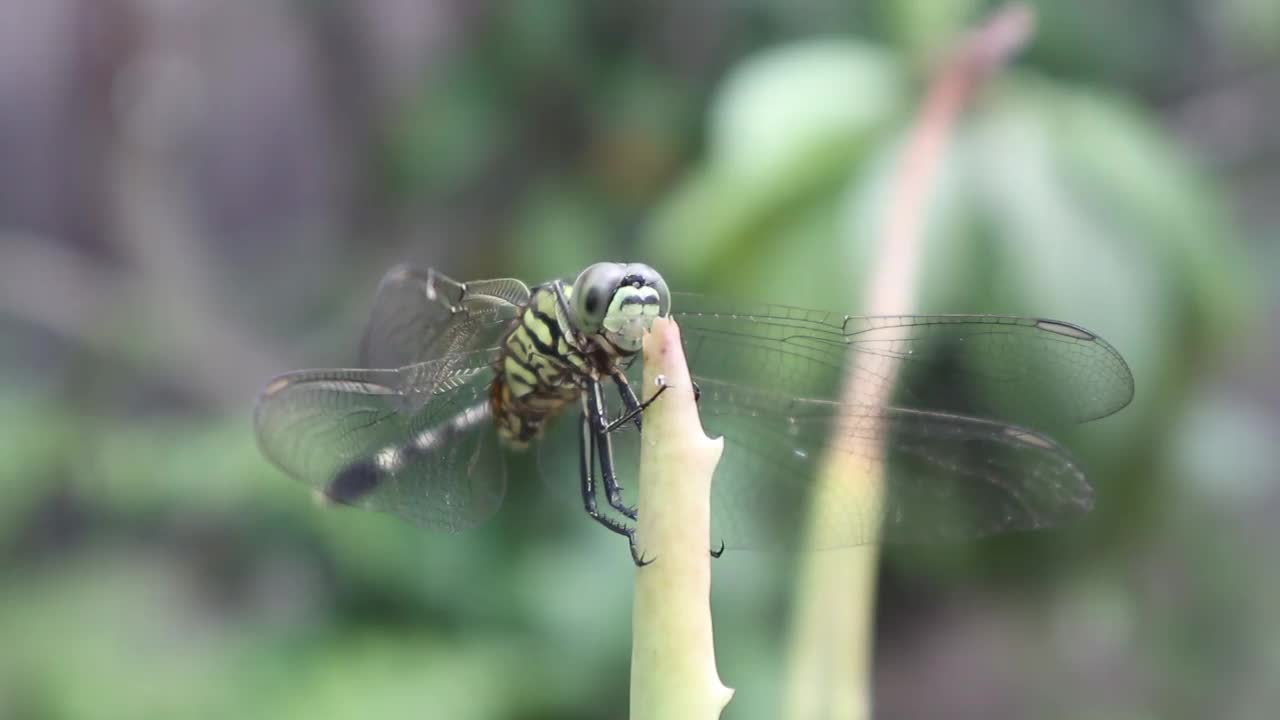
(567,336)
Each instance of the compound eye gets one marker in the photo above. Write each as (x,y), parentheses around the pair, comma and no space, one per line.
(593,301)
(664,295)
(592,293)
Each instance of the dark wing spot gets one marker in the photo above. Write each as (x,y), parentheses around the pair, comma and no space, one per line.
(354,482)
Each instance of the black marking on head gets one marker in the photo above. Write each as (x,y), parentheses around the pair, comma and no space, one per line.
(634,280)
(354,482)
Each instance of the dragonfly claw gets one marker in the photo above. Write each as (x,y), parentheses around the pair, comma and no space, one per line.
(637,557)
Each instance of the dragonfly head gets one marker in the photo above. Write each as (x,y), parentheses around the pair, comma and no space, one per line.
(619,301)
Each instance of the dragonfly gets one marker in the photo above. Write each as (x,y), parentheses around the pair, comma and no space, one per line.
(458,378)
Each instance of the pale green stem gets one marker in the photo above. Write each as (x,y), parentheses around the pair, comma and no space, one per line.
(830,662)
(673,668)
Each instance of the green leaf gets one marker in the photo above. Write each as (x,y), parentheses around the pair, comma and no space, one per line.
(780,105)
(787,131)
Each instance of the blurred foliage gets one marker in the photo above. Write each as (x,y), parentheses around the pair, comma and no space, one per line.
(153,565)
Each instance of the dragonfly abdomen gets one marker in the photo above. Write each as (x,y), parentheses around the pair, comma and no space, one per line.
(360,479)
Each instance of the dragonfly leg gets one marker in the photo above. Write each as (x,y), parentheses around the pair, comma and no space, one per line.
(629,400)
(614,490)
(587,439)
(604,450)
(634,407)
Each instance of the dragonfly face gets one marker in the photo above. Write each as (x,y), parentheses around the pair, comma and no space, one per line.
(619,302)
(457,374)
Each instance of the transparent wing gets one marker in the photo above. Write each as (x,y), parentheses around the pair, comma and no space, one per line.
(1024,371)
(368,438)
(935,447)
(421,315)
(898,475)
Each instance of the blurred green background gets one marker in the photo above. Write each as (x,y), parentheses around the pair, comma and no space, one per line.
(195,196)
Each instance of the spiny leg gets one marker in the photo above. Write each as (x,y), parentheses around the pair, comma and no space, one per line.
(604,450)
(634,406)
(587,448)
(586,465)
(629,399)
(624,389)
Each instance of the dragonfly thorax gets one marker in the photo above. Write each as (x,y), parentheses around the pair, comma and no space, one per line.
(542,365)
(569,336)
